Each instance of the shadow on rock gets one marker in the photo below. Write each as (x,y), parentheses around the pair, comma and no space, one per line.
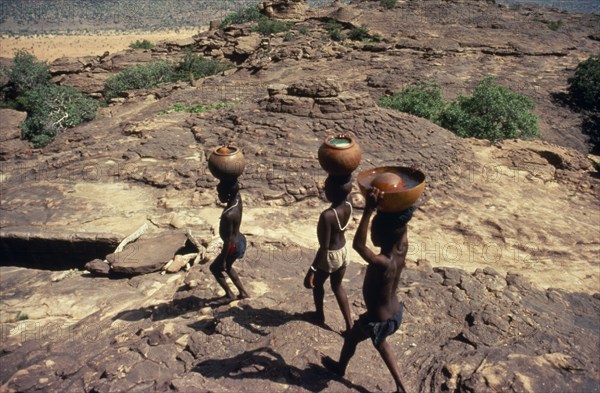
(169,310)
(252,318)
(265,363)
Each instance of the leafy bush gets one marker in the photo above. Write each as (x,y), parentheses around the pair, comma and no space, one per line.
(554,25)
(584,86)
(194,66)
(52,108)
(591,127)
(389,4)
(288,36)
(266,26)
(335,31)
(359,33)
(377,37)
(139,77)
(249,14)
(26,73)
(303,30)
(421,99)
(493,112)
(145,44)
(199,108)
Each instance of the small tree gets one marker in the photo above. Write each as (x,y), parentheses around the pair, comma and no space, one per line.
(389,4)
(51,109)
(249,14)
(584,86)
(335,31)
(359,33)
(194,66)
(493,112)
(26,73)
(139,77)
(420,99)
(266,26)
(145,44)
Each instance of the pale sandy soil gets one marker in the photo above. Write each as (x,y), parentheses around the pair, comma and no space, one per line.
(51,47)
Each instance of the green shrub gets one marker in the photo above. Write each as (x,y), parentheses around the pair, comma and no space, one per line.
(198,108)
(584,86)
(377,37)
(421,99)
(266,26)
(145,44)
(493,112)
(389,4)
(554,25)
(288,36)
(359,33)
(51,109)
(139,77)
(335,31)
(249,14)
(26,73)
(303,30)
(591,128)
(193,66)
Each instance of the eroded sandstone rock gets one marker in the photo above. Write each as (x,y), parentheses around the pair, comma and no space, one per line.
(148,254)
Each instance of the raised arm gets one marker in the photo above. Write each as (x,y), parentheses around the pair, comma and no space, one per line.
(360,238)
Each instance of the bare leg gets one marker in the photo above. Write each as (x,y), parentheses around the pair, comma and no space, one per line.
(319,295)
(238,284)
(217,268)
(351,340)
(340,295)
(385,351)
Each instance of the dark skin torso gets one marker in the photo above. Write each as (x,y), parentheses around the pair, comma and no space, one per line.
(383,272)
(381,282)
(229,225)
(331,237)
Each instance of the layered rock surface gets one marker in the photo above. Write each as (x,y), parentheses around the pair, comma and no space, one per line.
(507,214)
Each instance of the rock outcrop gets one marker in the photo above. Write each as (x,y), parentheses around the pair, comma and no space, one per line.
(292,10)
(11,144)
(501,286)
(480,331)
(317,98)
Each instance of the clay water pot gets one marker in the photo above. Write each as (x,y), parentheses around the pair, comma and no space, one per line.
(388,181)
(226,163)
(339,154)
(398,195)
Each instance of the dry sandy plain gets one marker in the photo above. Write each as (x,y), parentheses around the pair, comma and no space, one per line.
(50,47)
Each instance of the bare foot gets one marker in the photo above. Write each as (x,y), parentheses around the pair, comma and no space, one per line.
(312,317)
(243,295)
(332,366)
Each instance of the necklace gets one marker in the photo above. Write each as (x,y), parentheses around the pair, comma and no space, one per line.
(229,208)
(338,218)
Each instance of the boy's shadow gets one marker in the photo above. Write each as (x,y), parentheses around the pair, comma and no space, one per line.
(253,319)
(265,363)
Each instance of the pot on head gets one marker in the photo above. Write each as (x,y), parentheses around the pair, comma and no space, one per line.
(339,154)
(401,186)
(226,163)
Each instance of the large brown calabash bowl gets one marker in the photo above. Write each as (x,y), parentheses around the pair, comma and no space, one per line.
(226,163)
(396,198)
(339,154)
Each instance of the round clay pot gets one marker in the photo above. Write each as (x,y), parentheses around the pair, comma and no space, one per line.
(397,197)
(339,155)
(226,163)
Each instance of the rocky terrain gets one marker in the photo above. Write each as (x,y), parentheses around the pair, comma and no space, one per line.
(501,290)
